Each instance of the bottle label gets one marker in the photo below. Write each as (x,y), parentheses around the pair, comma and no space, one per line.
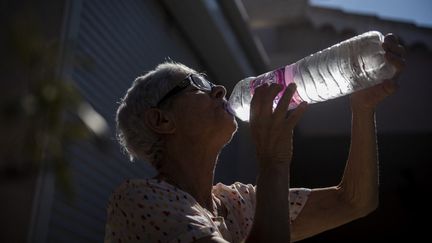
(283,76)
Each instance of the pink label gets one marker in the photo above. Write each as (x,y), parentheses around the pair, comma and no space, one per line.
(284,76)
(289,78)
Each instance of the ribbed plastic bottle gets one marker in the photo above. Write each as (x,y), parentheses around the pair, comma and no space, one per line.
(341,69)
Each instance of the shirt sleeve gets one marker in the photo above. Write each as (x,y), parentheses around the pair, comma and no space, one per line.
(152,214)
(243,198)
(240,200)
(297,198)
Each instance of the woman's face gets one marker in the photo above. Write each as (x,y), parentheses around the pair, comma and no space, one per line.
(200,114)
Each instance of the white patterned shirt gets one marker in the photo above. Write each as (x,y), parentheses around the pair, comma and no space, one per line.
(151,210)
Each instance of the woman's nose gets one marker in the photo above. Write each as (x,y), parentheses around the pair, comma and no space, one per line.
(218,91)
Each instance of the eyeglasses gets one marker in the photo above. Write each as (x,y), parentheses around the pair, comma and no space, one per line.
(192,79)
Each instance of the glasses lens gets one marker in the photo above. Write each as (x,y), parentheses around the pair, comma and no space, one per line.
(201,83)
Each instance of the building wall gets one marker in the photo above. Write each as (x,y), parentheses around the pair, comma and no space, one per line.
(107,45)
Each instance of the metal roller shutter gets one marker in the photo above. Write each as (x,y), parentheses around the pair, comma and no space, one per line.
(119,40)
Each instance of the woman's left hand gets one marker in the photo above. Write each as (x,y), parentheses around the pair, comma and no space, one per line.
(369,98)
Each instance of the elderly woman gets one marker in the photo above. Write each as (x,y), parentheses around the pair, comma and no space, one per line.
(174,118)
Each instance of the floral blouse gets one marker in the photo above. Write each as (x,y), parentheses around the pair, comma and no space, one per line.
(151,210)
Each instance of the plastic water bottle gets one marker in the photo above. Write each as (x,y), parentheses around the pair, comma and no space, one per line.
(341,69)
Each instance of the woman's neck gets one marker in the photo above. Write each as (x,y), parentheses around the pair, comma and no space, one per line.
(190,167)
(192,172)
(198,187)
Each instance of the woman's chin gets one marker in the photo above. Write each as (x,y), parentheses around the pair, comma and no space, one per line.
(233,129)
(231,122)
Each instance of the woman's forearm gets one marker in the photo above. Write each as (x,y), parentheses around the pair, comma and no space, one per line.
(271,221)
(360,180)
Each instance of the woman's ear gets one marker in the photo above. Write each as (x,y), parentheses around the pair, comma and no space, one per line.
(159,121)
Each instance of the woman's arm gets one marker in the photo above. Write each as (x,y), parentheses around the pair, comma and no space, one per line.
(272,133)
(357,193)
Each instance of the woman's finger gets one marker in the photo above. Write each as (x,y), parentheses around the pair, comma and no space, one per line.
(268,99)
(282,106)
(396,60)
(392,38)
(255,105)
(262,100)
(394,48)
(296,114)
(389,86)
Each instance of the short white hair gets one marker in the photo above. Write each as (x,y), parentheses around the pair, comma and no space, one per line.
(137,140)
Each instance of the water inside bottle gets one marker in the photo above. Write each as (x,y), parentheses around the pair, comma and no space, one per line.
(346,67)
(342,69)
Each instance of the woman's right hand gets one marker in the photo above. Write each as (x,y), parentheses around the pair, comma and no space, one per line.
(272,131)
